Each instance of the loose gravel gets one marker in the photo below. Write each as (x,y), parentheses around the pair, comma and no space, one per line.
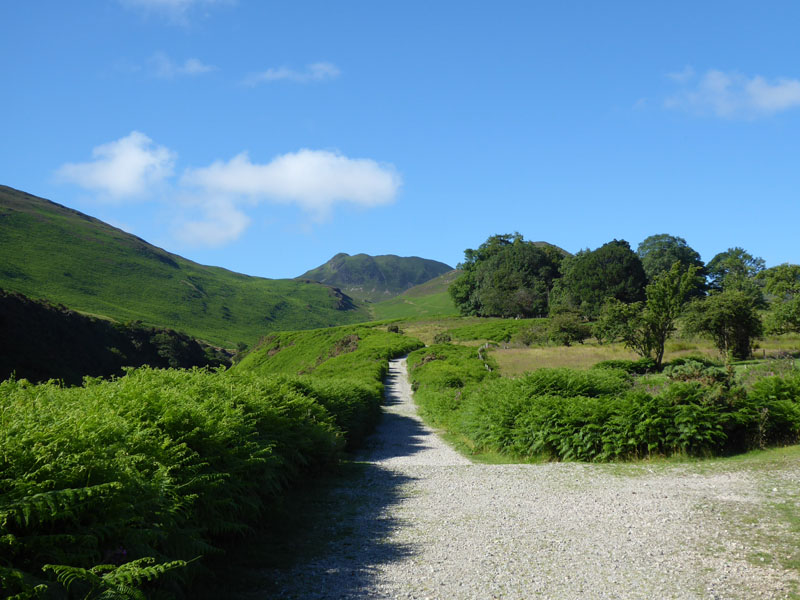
(422,521)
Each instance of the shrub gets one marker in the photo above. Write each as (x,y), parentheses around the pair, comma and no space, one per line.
(442,338)
(567,328)
(633,367)
(695,370)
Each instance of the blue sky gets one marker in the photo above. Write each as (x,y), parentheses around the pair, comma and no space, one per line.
(265,137)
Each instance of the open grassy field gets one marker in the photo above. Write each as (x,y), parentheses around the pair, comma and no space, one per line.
(515,360)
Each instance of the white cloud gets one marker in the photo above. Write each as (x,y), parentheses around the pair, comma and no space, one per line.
(221,224)
(170,7)
(682,76)
(127,167)
(733,95)
(210,204)
(164,67)
(315,180)
(316,72)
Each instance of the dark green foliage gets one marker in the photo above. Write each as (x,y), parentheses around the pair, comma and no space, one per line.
(163,464)
(50,251)
(659,252)
(784,317)
(736,269)
(375,278)
(693,370)
(593,276)
(567,328)
(507,277)
(730,318)
(633,367)
(442,338)
(40,341)
(118,483)
(644,327)
(536,333)
(782,283)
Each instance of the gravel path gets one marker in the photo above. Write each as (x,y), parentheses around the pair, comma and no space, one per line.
(421,521)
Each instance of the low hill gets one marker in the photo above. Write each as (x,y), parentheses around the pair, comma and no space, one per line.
(53,252)
(42,341)
(428,299)
(375,278)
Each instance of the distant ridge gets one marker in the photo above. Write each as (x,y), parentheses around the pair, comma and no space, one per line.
(424,300)
(54,252)
(376,278)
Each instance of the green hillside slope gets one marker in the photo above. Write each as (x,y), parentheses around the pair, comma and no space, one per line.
(41,341)
(376,278)
(50,251)
(427,299)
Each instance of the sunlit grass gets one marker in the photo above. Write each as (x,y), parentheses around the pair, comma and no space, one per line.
(515,360)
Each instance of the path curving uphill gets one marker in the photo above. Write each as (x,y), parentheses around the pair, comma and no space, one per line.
(422,521)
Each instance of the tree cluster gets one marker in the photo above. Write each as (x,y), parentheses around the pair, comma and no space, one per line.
(635,297)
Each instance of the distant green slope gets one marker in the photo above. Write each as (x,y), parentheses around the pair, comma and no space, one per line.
(428,299)
(50,251)
(375,278)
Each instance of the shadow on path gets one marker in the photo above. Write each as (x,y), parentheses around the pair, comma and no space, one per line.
(345,537)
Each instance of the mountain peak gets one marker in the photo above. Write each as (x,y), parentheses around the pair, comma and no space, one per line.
(375,278)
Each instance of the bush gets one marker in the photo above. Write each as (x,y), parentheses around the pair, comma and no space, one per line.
(610,412)
(567,328)
(442,338)
(688,370)
(633,367)
(162,464)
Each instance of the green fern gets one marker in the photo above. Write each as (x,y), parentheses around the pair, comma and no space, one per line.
(114,582)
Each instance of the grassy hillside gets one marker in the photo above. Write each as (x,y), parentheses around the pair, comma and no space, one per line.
(41,341)
(50,251)
(375,278)
(427,299)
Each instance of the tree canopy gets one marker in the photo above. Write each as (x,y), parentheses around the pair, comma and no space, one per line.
(659,252)
(735,268)
(592,276)
(645,327)
(506,277)
(730,318)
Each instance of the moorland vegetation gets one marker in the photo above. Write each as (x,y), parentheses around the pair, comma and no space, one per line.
(133,486)
(128,487)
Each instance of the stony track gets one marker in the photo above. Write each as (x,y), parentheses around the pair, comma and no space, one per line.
(421,521)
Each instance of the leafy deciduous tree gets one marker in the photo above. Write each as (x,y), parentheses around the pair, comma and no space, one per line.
(735,269)
(646,326)
(506,277)
(730,318)
(592,276)
(659,252)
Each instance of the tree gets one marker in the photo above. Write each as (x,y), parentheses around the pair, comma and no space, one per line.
(506,277)
(782,284)
(659,252)
(592,276)
(730,318)
(734,269)
(646,326)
